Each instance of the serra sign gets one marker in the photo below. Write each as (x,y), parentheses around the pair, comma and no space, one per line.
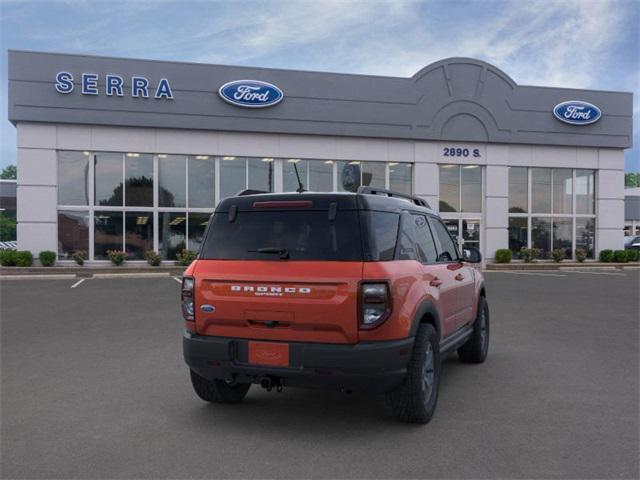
(250,93)
(577,112)
(113,85)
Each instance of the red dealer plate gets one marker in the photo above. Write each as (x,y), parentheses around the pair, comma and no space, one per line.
(269,353)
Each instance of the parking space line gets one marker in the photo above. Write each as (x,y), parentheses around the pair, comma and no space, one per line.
(532,273)
(177,280)
(55,276)
(78,283)
(598,273)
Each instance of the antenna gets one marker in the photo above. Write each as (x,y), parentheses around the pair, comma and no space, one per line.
(300,188)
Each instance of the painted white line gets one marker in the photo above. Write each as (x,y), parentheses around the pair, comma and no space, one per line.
(54,276)
(78,283)
(598,273)
(530,273)
(177,280)
(130,275)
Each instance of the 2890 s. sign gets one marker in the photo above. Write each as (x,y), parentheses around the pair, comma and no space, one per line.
(250,93)
(577,112)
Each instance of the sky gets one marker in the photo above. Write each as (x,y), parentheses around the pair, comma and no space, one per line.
(564,43)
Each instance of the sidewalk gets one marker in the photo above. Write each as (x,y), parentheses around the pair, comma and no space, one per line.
(92,271)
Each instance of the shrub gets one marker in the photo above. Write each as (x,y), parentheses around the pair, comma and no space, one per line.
(24,258)
(47,258)
(526,254)
(606,256)
(503,255)
(153,258)
(117,257)
(80,256)
(620,256)
(558,255)
(8,258)
(185,257)
(633,255)
(581,254)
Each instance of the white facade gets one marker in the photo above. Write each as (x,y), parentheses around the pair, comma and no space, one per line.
(37,169)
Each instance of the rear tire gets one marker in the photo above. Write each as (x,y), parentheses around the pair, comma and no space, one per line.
(415,400)
(476,348)
(218,391)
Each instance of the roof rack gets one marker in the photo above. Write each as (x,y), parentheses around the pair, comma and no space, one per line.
(249,191)
(381,191)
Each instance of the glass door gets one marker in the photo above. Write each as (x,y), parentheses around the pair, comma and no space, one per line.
(465,231)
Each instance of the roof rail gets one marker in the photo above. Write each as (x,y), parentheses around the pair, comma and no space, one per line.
(381,191)
(249,191)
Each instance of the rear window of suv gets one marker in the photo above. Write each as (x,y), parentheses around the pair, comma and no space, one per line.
(302,234)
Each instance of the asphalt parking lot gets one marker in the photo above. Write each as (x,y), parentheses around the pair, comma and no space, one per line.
(93,386)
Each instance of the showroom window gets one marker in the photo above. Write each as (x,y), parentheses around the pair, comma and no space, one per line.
(460,188)
(139,201)
(551,208)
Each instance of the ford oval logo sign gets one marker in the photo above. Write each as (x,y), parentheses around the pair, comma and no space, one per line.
(251,93)
(577,112)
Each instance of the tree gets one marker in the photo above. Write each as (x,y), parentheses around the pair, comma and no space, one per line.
(9,172)
(632,180)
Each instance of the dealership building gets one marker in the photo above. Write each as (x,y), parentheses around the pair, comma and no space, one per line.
(133,155)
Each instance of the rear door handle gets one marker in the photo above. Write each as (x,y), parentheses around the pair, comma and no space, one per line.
(459,277)
(436,282)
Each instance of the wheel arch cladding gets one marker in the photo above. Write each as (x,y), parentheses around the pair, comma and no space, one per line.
(426,313)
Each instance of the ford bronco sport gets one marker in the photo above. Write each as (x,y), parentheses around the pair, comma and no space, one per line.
(357,291)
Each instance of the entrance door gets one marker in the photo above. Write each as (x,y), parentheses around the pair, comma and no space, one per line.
(465,231)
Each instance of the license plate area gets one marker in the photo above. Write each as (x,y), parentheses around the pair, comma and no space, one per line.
(269,354)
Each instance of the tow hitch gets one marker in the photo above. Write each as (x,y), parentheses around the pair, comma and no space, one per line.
(269,383)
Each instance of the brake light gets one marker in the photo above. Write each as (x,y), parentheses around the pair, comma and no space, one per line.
(375,304)
(186,298)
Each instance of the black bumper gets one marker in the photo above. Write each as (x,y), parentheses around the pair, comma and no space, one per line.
(370,367)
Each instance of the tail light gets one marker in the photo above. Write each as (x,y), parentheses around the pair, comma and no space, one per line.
(375,304)
(186,297)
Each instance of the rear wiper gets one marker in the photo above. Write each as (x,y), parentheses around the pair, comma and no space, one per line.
(283,252)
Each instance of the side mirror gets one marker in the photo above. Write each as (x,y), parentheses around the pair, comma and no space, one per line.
(471,255)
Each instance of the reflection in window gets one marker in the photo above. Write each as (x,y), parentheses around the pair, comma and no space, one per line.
(562,190)
(201,181)
(585,191)
(541,190)
(73,178)
(541,235)
(107,233)
(138,234)
(471,191)
(171,178)
(108,179)
(400,177)
(197,226)
(233,176)
(138,172)
(320,175)
(562,235)
(449,188)
(585,235)
(518,190)
(517,235)
(172,230)
(373,174)
(260,174)
(73,233)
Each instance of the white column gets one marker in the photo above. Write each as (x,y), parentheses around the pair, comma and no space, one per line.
(37,188)
(610,200)
(426,176)
(496,209)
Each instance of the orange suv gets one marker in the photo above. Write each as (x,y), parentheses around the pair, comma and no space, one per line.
(357,291)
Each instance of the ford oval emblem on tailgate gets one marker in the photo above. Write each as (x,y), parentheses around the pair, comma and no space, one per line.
(208,308)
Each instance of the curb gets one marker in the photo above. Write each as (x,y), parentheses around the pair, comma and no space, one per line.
(52,273)
(497,267)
